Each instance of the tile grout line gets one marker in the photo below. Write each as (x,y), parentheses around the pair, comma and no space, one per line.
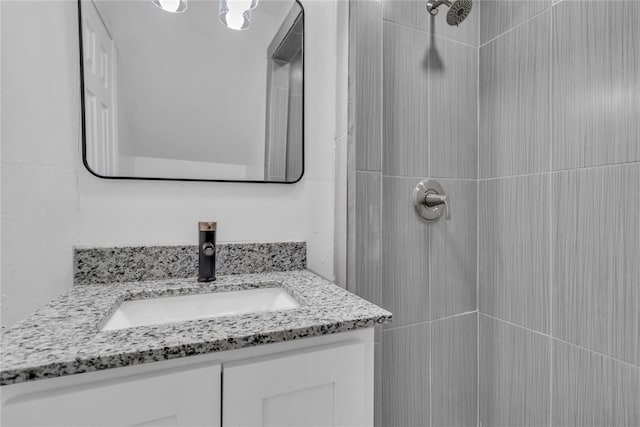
(552,339)
(427,177)
(477,368)
(429,33)
(429,234)
(380,26)
(515,26)
(478,226)
(453,316)
(380,66)
(560,171)
(551,222)
(367,171)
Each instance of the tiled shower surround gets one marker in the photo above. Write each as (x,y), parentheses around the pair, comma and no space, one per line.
(524,309)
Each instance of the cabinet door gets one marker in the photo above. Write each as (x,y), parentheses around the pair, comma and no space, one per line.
(187,397)
(326,386)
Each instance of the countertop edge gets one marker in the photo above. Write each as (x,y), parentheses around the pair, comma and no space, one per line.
(121,360)
(76,363)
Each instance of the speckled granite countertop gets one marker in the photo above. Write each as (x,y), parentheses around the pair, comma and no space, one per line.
(64,337)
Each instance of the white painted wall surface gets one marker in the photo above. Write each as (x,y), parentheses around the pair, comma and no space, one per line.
(40,113)
(51,203)
(173,168)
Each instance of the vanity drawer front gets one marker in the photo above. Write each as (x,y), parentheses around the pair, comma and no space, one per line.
(175,397)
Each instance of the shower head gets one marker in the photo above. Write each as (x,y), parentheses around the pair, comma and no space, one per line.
(458,10)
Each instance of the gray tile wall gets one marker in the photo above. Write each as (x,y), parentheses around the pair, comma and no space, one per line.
(405,376)
(411,13)
(454,370)
(405,101)
(426,272)
(514,271)
(365,83)
(514,101)
(596,267)
(543,170)
(595,112)
(559,213)
(368,236)
(590,389)
(453,253)
(405,254)
(453,109)
(514,375)
(499,16)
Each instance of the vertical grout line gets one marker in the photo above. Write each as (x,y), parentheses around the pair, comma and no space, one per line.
(550,207)
(477,368)
(430,343)
(429,164)
(429,245)
(380,27)
(478,224)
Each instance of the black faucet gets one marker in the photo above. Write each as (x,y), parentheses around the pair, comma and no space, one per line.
(207,252)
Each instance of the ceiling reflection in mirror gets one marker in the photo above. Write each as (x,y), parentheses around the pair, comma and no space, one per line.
(193,90)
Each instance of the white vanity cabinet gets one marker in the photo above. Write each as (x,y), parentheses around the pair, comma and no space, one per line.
(171,397)
(319,381)
(316,387)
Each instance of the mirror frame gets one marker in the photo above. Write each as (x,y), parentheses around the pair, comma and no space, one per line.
(83,119)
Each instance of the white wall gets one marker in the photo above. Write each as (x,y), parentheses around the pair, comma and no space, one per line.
(51,203)
(39,102)
(181,169)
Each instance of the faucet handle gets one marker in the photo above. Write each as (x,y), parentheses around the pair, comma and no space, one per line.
(208,249)
(433,199)
(430,200)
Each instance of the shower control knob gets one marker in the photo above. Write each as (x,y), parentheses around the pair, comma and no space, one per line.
(430,200)
(434,200)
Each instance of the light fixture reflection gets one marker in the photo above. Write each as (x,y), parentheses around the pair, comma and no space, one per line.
(236,14)
(173,6)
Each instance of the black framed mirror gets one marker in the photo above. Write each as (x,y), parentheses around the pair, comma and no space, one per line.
(193,90)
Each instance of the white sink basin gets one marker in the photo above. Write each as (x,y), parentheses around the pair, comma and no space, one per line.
(155,311)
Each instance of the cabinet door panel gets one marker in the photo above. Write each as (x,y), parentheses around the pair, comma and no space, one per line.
(188,397)
(325,386)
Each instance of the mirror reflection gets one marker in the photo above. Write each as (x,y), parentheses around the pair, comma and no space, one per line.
(184,89)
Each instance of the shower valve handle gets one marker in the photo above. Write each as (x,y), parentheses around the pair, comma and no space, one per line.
(430,201)
(434,199)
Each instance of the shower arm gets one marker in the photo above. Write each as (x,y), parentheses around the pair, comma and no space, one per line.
(432,6)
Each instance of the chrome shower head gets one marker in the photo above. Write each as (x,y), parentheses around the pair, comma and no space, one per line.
(458,10)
